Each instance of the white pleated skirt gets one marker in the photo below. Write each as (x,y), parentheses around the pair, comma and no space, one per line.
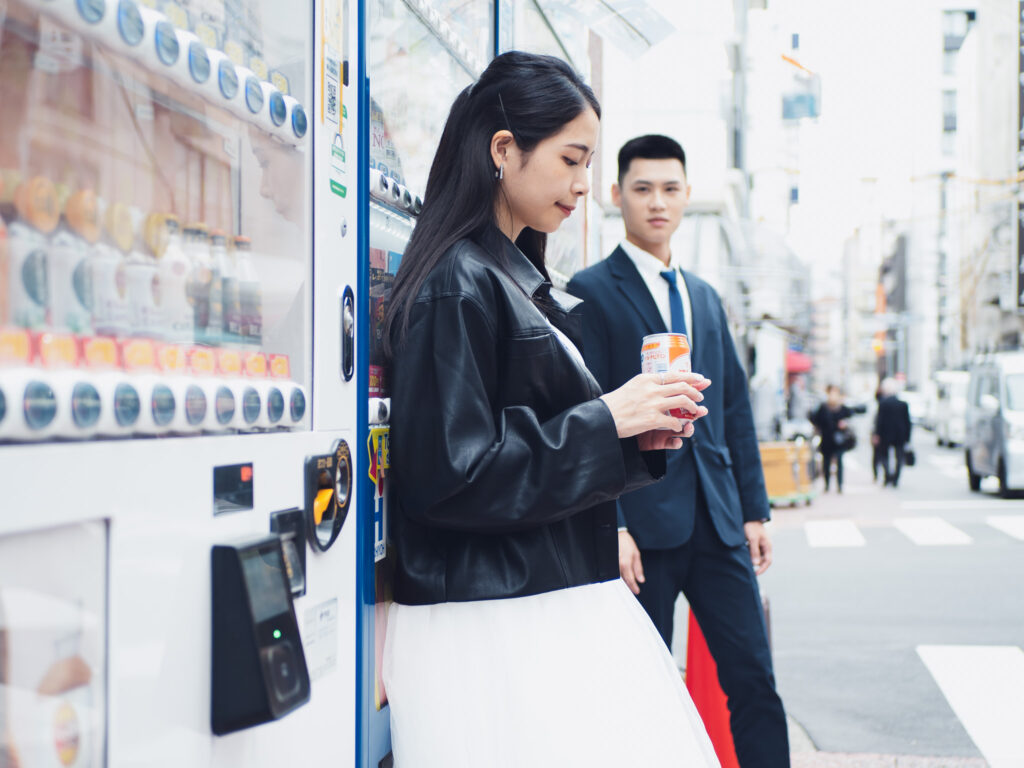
(574,677)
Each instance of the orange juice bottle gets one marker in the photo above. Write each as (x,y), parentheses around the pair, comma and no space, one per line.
(70,283)
(35,201)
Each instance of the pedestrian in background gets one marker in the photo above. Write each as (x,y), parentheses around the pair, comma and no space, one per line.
(892,425)
(831,420)
(512,640)
(700,531)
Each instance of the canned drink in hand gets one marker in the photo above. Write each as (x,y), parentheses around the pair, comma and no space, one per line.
(666,353)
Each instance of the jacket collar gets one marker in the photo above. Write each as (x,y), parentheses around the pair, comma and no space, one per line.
(514,261)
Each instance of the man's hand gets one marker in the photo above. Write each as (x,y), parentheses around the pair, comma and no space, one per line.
(757,541)
(630,567)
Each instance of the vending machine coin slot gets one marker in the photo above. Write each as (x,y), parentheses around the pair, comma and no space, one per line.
(348,334)
(290,525)
(258,667)
(328,494)
(232,488)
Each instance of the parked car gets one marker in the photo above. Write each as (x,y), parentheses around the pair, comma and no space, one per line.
(948,417)
(918,406)
(995,421)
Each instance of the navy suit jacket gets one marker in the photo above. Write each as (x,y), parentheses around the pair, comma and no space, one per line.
(618,311)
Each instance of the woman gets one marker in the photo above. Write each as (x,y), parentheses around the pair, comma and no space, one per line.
(831,421)
(512,641)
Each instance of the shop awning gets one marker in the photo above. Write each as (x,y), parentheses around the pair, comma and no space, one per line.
(797,362)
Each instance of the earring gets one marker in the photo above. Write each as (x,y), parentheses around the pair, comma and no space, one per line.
(500,173)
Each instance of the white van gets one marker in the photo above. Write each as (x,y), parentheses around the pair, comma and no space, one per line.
(995,421)
(950,409)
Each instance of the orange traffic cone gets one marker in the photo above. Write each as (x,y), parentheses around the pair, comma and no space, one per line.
(707,694)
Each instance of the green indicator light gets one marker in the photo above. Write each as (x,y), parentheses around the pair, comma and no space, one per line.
(277,634)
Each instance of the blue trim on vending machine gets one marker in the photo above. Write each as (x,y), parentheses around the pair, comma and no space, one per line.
(364,506)
(496,31)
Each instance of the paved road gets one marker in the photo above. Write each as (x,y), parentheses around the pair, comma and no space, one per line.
(898,614)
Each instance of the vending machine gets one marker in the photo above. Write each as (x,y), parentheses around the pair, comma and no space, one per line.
(203,205)
(180,432)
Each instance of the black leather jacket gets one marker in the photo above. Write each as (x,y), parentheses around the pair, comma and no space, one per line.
(504,465)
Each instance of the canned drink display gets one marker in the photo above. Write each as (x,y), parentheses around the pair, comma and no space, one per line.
(666,353)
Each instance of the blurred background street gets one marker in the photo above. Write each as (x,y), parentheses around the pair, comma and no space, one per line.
(897,614)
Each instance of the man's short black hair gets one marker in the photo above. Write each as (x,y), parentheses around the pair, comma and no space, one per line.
(650,147)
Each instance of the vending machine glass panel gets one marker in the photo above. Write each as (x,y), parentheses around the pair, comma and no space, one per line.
(155,195)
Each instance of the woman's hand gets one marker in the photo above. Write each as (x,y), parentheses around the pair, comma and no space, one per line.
(663,440)
(642,404)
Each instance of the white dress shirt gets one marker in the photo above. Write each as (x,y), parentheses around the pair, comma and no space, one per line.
(650,268)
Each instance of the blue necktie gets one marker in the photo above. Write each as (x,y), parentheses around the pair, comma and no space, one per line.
(675,302)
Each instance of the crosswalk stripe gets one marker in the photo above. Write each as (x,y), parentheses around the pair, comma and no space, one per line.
(833,533)
(931,531)
(983,686)
(939,505)
(1012,525)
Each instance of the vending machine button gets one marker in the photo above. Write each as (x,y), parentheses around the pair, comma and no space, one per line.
(275,405)
(278,109)
(126,405)
(299,124)
(162,405)
(224,406)
(40,404)
(129,22)
(297,405)
(91,10)
(195,405)
(198,62)
(227,79)
(167,48)
(85,405)
(3,406)
(253,95)
(250,405)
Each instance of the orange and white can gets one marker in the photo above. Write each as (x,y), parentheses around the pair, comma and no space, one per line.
(666,353)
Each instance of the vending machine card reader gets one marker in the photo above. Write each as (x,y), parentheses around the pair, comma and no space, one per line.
(258,668)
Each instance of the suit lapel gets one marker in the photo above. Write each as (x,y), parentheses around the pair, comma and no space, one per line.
(632,285)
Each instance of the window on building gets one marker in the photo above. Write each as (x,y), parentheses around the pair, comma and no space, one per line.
(949,111)
(949,62)
(955,26)
(796,41)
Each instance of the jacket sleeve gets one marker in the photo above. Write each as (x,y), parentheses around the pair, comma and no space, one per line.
(597,357)
(740,435)
(459,462)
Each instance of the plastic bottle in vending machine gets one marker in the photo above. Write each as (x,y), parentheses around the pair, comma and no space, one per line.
(145,300)
(5,317)
(250,294)
(107,267)
(173,268)
(36,204)
(197,250)
(232,299)
(70,281)
(220,268)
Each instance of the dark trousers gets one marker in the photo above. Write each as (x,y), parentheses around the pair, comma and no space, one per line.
(826,467)
(891,478)
(720,584)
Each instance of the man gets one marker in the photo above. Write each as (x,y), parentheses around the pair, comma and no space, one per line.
(700,530)
(892,427)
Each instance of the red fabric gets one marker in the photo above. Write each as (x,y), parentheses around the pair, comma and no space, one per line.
(707,695)
(797,362)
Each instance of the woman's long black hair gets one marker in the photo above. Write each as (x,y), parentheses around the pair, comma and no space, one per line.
(531,96)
